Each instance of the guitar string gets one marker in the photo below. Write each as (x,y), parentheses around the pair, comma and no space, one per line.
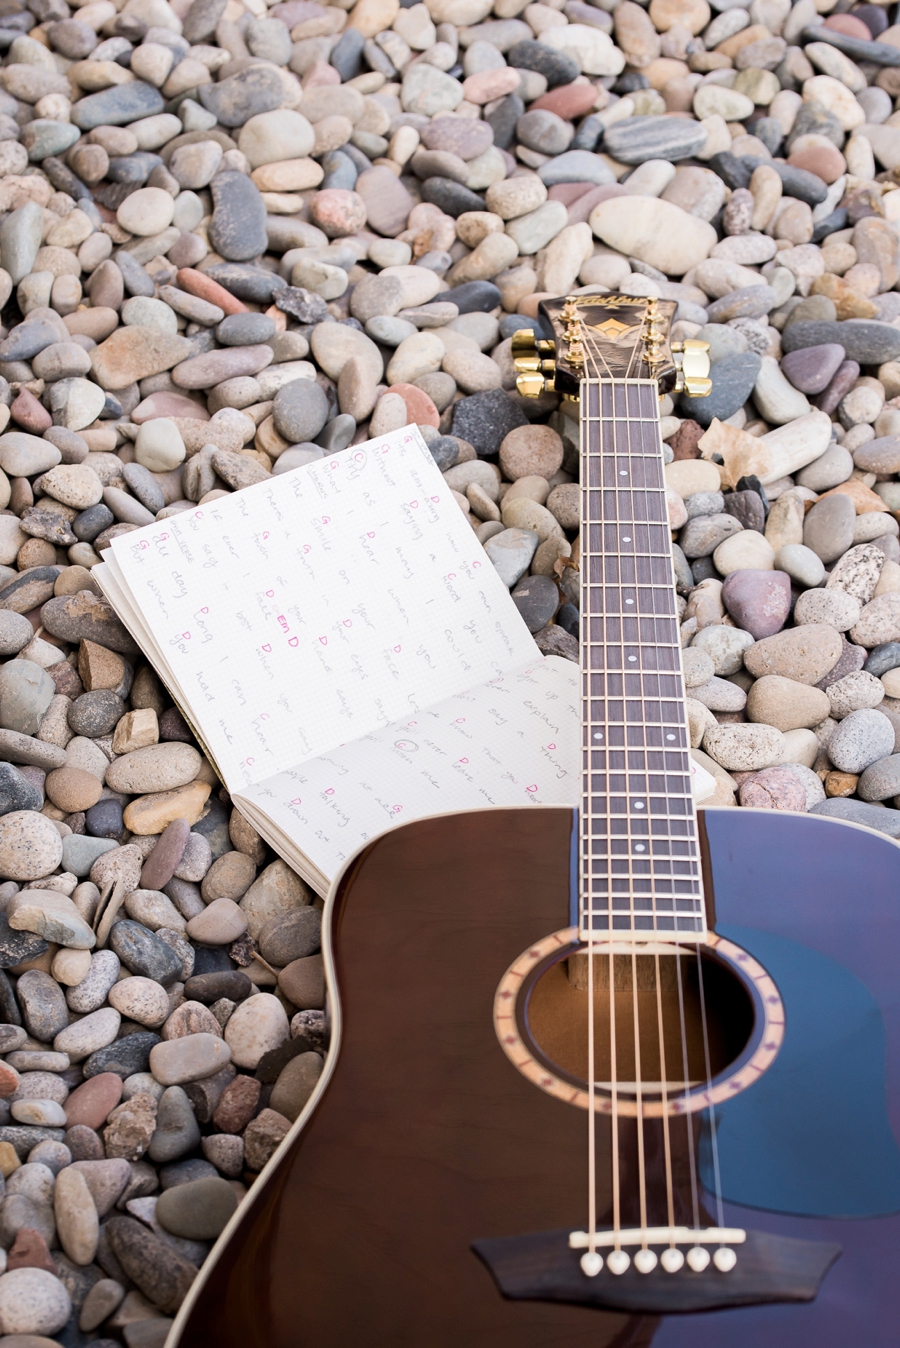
(688,1117)
(714,1143)
(667,1147)
(586,853)
(626,401)
(670,1206)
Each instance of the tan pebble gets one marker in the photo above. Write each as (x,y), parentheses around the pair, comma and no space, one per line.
(73,789)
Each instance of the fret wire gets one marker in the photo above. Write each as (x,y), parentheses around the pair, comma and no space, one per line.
(638,871)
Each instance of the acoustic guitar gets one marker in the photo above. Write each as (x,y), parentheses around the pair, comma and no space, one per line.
(606,1077)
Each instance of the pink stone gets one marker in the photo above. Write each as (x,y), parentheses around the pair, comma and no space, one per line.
(773,789)
(419,407)
(168,405)
(164,860)
(319,73)
(28,412)
(826,161)
(338,211)
(569,193)
(386,200)
(758,601)
(29,1250)
(9,1080)
(105,1179)
(293,12)
(196,283)
(849,25)
(490,84)
(567,101)
(92,1103)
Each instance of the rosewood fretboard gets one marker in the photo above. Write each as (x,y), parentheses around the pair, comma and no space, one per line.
(639,854)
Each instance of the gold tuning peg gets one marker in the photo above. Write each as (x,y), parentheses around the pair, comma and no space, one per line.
(525,341)
(533,384)
(534,376)
(693,368)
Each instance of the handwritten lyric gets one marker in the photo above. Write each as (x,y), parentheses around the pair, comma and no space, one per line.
(321,605)
(511,742)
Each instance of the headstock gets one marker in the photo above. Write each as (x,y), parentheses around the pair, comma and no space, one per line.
(611,337)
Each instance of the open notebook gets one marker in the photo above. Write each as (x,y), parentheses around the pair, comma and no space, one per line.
(347,654)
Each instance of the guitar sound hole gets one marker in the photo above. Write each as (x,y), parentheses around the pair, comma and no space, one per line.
(555,1020)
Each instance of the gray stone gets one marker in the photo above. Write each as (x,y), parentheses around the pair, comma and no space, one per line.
(26,692)
(863,339)
(177,1130)
(861,739)
(238,226)
(300,410)
(634,140)
(257,88)
(43,1004)
(117,106)
(857,812)
(881,780)
(828,527)
(735,377)
(142,951)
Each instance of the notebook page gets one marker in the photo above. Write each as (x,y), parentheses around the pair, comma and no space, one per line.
(312,608)
(512,742)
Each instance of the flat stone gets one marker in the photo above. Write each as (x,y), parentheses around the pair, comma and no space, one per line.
(859,812)
(117,106)
(141,951)
(190,1058)
(162,1274)
(295,1085)
(864,340)
(91,1103)
(238,227)
(198,1210)
(744,748)
(805,653)
(125,1056)
(51,915)
(254,90)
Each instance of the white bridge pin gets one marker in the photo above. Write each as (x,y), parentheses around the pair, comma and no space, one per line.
(698,1258)
(645,1261)
(724,1259)
(672,1260)
(591,1263)
(617,1261)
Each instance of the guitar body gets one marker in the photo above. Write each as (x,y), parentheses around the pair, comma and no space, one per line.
(425,1138)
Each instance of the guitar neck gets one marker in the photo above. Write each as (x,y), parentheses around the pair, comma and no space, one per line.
(640,868)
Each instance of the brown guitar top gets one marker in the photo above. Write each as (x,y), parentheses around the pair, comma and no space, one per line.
(445,1133)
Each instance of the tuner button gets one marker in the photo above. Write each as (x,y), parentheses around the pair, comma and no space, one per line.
(531,384)
(523,342)
(676,348)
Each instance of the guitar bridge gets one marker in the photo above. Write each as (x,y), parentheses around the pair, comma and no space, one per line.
(543,1266)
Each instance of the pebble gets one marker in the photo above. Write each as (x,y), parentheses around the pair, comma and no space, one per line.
(198,1210)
